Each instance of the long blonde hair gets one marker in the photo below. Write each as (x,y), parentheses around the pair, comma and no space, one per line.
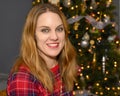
(29,53)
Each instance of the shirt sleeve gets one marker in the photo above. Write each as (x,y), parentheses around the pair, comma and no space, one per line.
(22,84)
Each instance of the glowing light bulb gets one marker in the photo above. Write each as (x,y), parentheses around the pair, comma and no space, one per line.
(87,76)
(97,84)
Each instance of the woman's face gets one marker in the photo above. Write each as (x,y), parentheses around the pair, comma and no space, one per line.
(50,35)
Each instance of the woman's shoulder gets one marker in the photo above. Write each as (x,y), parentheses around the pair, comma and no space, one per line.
(23,82)
(23,74)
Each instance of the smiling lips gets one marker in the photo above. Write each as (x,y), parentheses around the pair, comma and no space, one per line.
(53,45)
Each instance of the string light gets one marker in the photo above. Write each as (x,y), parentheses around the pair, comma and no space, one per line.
(98,12)
(103,30)
(72,8)
(110,1)
(78,87)
(108,88)
(105,15)
(82,68)
(78,43)
(76,6)
(96,93)
(88,66)
(117,42)
(115,64)
(81,74)
(74,93)
(107,72)
(93,15)
(105,78)
(76,84)
(60,8)
(91,7)
(113,24)
(115,93)
(118,88)
(87,76)
(98,18)
(80,50)
(38,1)
(73,17)
(113,88)
(97,84)
(87,28)
(101,93)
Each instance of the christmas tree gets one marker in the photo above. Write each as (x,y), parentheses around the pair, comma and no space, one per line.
(94,35)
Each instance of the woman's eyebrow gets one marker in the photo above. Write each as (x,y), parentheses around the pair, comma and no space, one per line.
(60,25)
(43,26)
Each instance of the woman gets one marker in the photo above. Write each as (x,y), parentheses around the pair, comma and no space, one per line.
(46,65)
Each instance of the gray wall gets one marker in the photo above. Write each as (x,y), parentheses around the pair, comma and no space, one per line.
(12,18)
(117,14)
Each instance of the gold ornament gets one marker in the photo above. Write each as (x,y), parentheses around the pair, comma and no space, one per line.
(94,60)
(76,25)
(77,36)
(54,1)
(38,1)
(83,7)
(108,3)
(92,42)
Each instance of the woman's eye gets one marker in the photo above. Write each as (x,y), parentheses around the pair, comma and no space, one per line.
(60,29)
(45,30)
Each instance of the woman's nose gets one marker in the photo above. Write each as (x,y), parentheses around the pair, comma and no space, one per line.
(53,35)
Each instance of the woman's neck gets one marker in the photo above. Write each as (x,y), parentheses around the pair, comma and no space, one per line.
(51,64)
(50,61)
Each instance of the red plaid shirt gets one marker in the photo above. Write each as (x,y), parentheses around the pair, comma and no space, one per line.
(23,83)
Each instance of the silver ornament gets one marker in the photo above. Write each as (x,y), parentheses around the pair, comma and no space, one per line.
(111,38)
(94,4)
(86,37)
(107,19)
(67,3)
(103,63)
(84,43)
